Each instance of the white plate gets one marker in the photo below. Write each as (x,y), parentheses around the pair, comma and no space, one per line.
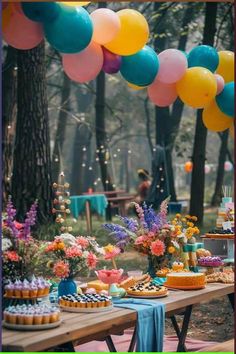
(86,310)
(31,327)
(148,297)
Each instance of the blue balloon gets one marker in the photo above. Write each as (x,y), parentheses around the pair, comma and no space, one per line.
(141,68)
(71,31)
(41,11)
(205,56)
(225,100)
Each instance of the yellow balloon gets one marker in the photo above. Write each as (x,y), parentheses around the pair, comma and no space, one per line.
(133,34)
(135,87)
(6,15)
(76,3)
(231,131)
(226,65)
(214,119)
(197,87)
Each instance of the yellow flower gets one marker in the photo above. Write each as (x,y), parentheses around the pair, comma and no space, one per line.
(196,230)
(179,232)
(190,224)
(194,218)
(173,222)
(109,248)
(171,249)
(184,219)
(178,215)
(187,216)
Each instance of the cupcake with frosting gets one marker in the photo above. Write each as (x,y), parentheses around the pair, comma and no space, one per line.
(18,288)
(25,289)
(10,289)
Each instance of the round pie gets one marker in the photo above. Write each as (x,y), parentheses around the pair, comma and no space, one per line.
(147,289)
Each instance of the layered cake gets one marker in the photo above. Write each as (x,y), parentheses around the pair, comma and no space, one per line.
(147,289)
(185,280)
(31,314)
(210,261)
(85,301)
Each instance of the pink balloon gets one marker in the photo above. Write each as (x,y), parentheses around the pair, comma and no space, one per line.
(173,64)
(106,25)
(207,169)
(220,83)
(84,66)
(16,6)
(162,94)
(22,33)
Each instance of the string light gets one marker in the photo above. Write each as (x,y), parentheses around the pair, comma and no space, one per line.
(56,159)
(84,148)
(97,159)
(9,127)
(114,155)
(160,169)
(107,182)
(129,151)
(97,151)
(95,183)
(118,150)
(114,185)
(105,162)
(154,149)
(102,146)
(90,168)
(83,165)
(99,179)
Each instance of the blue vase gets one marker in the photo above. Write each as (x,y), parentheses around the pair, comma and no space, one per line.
(67,287)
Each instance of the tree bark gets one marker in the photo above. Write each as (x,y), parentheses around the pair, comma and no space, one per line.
(9,110)
(199,149)
(32,169)
(216,198)
(61,128)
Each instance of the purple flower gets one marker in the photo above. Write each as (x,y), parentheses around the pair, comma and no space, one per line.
(30,220)
(130,223)
(119,233)
(11,213)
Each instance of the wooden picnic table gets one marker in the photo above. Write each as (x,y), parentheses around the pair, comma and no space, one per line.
(108,193)
(121,202)
(81,328)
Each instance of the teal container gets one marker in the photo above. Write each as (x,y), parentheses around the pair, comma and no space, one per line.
(67,287)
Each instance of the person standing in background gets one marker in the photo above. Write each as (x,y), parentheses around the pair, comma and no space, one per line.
(143,186)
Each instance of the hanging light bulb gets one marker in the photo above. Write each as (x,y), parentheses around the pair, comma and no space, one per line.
(115,155)
(97,159)
(118,150)
(83,165)
(129,151)
(90,168)
(84,148)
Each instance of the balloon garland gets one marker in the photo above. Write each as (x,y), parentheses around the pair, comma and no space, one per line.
(117,42)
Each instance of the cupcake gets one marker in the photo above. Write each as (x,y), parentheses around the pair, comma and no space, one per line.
(46,317)
(18,288)
(25,290)
(47,288)
(6,316)
(54,317)
(41,289)
(28,319)
(33,290)
(38,319)
(9,289)
(20,318)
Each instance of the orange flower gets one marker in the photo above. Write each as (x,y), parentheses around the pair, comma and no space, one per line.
(171,249)
(157,248)
(60,246)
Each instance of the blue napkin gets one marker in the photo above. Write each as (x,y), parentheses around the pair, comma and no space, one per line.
(158,281)
(150,323)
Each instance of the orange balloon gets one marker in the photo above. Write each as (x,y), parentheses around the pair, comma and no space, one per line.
(188,166)
(6,16)
(214,119)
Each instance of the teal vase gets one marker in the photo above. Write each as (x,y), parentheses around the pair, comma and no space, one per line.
(67,287)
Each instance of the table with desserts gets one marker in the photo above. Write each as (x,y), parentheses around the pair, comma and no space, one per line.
(78,328)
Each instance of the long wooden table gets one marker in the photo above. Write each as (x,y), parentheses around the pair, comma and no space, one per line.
(80,328)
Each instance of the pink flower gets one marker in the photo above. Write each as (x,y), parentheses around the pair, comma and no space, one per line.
(111,251)
(81,241)
(73,251)
(140,240)
(157,248)
(61,269)
(91,260)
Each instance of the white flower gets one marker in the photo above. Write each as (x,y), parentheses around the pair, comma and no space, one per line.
(68,239)
(175,244)
(100,250)
(6,244)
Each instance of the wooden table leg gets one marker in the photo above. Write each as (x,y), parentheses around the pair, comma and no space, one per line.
(122,208)
(65,347)
(88,216)
(182,334)
(133,340)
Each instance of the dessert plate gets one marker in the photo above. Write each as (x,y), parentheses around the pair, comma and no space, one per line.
(148,297)
(190,287)
(25,298)
(18,327)
(86,310)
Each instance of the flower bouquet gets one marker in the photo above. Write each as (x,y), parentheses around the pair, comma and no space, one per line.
(68,256)
(19,249)
(153,235)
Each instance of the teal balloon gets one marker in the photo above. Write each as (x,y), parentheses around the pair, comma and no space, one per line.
(41,11)
(141,68)
(71,31)
(225,100)
(205,56)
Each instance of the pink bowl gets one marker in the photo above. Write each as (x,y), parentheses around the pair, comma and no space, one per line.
(109,276)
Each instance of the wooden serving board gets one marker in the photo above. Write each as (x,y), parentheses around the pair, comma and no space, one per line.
(190,287)
(18,327)
(148,297)
(86,310)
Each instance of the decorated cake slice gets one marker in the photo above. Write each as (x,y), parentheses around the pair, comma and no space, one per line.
(147,289)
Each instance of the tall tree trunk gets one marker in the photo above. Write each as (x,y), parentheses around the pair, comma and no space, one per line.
(9,109)
(61,128)
(32,170)
(199,149)
(216,198)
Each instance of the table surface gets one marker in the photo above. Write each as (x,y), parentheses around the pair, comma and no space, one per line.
(81,328)
(120,198)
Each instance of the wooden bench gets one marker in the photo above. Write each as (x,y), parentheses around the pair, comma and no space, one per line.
(227,346)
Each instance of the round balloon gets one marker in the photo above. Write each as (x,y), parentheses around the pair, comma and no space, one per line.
(71,31)
(228,166)
(135,87)
(197,87)
(141,68)
(84,66)
(214,119)
(133,34)
(173,65)
(16,7)
(76,3)
(205,56)
(6,16)
(41,11)
(188,166)
(22,33)
(162,94)
(225,100)
(106,25)
(207,169)
(111,62)
(220,83)
(226,65)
